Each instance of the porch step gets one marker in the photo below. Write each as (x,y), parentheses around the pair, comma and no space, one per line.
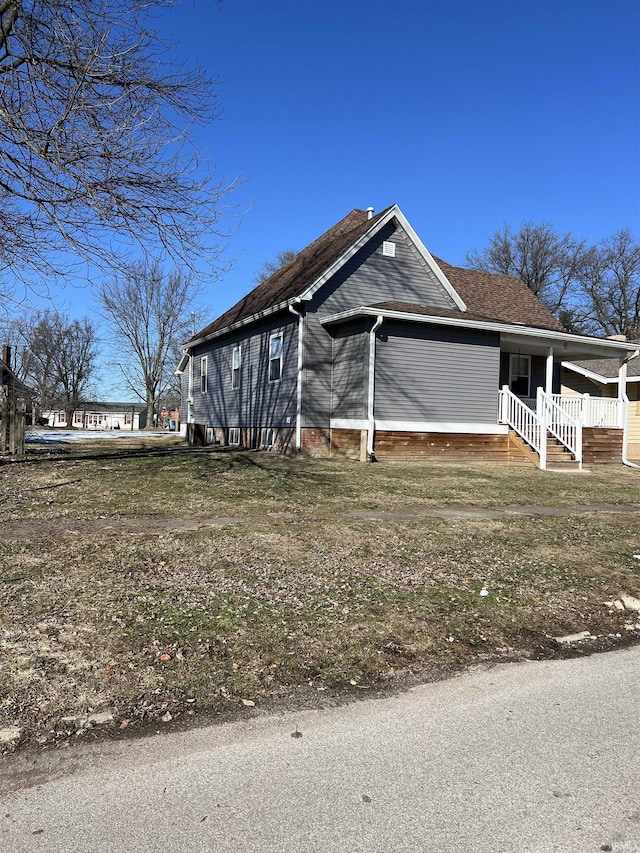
(558,457)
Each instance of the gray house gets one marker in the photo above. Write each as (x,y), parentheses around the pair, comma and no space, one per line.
(367,345)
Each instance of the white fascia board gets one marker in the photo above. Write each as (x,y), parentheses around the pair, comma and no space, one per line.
(281,306)
(393,213)
(588,374)
(596,377)
(428,257)
(617,348)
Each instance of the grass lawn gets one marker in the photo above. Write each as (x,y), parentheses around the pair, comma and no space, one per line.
(153,580)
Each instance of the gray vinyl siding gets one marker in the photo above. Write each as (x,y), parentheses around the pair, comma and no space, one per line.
(256,402)
(426,373)
(367,278)
(350,358)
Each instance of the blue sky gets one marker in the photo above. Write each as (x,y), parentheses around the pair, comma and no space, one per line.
(466,114)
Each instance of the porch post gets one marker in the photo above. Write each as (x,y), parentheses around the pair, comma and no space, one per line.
(548,385)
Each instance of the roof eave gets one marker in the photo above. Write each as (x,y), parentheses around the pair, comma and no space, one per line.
(232,327)
(615,347)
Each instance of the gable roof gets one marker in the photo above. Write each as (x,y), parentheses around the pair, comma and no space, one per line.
(485,295)
(297,276)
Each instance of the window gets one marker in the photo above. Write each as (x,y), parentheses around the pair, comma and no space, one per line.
(520,374)
(275,357)
(234,435)
(266,439)
(203,374)
(236,362)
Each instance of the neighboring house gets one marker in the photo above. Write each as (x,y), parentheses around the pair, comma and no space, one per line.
(98,416)
(367,345)
(9,379)
(598,377)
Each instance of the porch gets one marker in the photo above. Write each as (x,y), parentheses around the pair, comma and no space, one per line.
(565,430)
(562,430)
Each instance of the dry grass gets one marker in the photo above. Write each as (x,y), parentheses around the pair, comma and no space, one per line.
(114,598)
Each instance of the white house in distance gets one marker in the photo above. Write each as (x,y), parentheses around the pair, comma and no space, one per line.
(98,416)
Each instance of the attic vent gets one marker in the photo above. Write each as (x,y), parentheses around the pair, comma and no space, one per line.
(389,249)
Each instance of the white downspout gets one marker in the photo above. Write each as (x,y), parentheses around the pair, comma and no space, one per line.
(190,391)
(298,313)
(623,396)
(371,389)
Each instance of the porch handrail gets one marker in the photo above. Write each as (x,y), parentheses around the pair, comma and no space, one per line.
(523,420)
(604,412)
(556,419)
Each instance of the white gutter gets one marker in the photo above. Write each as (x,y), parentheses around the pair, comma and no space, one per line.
(300,316)
(622,391)
(482,325)
(371,389)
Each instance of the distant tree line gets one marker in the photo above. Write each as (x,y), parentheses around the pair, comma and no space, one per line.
(592,289)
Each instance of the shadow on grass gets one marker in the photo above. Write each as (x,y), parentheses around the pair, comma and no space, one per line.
(215,459)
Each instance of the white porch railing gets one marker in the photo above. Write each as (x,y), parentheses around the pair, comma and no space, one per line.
(521,418)
(605,412)
(535,424)
(554,419)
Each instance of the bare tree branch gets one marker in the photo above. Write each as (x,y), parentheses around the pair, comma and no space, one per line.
(57,357)
(148,312)
(267,268)
(96,124)
(547,262)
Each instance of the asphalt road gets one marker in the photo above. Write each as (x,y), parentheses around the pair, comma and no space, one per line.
(525,757)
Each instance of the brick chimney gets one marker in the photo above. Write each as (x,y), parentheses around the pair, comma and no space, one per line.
(6,354)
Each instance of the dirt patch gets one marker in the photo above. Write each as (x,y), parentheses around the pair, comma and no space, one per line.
(18,531)
(471,513)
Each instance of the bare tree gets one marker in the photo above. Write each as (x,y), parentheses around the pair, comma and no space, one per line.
(96,125)
(59,361)
(267,268)
(610,281)
(149,313)
(547,262)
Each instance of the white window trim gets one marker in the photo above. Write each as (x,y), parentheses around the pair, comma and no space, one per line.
(204,377)
(512,356)
(237,349)
(265,443)
(271,337)
(234,436)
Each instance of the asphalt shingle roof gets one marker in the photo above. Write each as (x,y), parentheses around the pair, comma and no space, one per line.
(607,367)
(488,296)
(300,273)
